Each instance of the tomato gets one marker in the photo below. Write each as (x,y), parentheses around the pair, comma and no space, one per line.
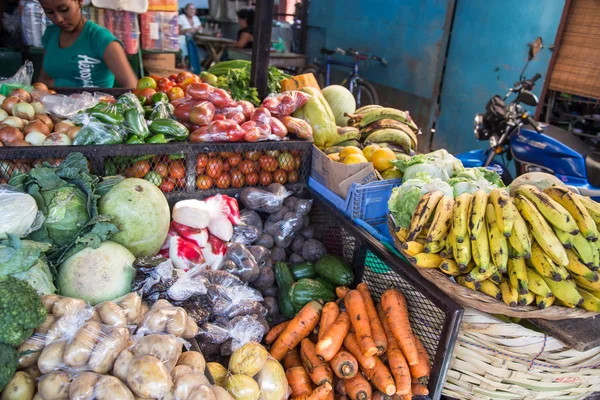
(286,161)
(212,154)
(173,77)
(201,161)
(268,163)
(297,163)
(296,152)
(280,176)
(139,169)
(252,179)
(146,83)
(204,182)
(237,179)
(162,170)
(155,77)
(253,155)
(200,170)
(175,93)
(224,181)
(214,167)
(292,176)
(265,178)
(247,167)
(182,112)
(235,160)
(181,183)
(182,76)
(225,154)
(188,81)
(164,84)
(226,166)
(176,170)
(147,94)
(167,186)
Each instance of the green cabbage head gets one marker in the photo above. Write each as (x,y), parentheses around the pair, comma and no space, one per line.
(67,213)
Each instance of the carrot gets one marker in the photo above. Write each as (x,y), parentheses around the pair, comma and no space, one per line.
(394,307)
(360,321)
(275,332)
(398,365)
(330,343)
(299,381)
(419,390)
(298,328)
(330,313)
(292,359)
(381,377)
(351,344)
(319,393)
(340,387)
(341,291)
(358,388)
(319,371)
(344,364)
(379,336)
(330,395)
(421,371)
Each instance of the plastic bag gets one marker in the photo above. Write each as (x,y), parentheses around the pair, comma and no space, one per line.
(263,115)
(193,282)
(129,101)
(21,79)
(163,317)
(218,131)
(249,229)
(244,264)
(92,386)
(239,330)
(20,214)
(66,107)
(161,111)
(298,127)
(257,131)
(283,104)
(240,300)
(202,113)
(95,132)
(270,200)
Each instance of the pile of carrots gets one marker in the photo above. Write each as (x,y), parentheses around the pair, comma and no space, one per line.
(352,349)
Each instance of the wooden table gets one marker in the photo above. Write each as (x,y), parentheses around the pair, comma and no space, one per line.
(215,46)
(279,60)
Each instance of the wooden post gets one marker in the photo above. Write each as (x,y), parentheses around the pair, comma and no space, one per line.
(261,47)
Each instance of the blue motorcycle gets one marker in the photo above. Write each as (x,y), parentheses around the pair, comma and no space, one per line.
(533,146)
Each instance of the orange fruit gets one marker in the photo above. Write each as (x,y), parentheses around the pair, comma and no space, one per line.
(346,151)
(382,158)
(354,159)
(369,150)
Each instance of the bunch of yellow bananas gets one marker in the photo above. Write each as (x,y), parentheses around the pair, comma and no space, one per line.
(540,247)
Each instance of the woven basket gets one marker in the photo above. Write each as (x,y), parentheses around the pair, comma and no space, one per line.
(470,298)
(493,359)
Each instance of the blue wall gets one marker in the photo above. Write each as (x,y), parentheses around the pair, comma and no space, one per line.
(487,50)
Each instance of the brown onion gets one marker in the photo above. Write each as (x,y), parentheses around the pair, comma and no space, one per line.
(71,133)
(63,126)
(9,134)
(57,139)
(14,121)
(40,86)
(45,119)
(22,94)
(23,110)
(36,126)
(9,103)
(20,143)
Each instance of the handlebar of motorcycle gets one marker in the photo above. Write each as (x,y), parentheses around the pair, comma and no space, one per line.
(535,78)
(538,128)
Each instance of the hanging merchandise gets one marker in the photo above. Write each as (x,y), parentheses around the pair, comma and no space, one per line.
(32,22)
(123,24)
(160,31)
(135,6)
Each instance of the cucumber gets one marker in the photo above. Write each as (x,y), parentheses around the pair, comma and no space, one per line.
(303,270)
(334,270)
(306,290)
(285,280)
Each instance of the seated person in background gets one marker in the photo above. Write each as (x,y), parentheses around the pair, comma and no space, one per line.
(189,24)
(246,32)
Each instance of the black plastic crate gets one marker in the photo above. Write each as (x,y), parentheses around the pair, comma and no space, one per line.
(435,317)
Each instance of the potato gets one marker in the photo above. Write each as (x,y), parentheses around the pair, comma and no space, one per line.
(248,359)
(48,301)
(82,386)
(177,322)
(132,307)
(48,322)
(218,372)
(55,386)
(37,396)
(162,303)
(181,370)
(148,377)
(34,344)
(111,314)
(142,316)
(67,305)
(121,366)
(110,388)
(51,358)
(164,347)
(220,393)
(201,392)
(194,359)
(156,320)
(20,387)
(191,329)
(107,349)
(80,346)
(242,387)
(185,384)
(33,371)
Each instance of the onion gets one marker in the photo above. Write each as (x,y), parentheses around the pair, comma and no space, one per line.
(40,86)
(35,138)
(39,108)
(63,126)
(57,139)
(14,122)
(9,103)
(22,94)
(71,133)
(2,98)
(36,126)
(3,114)
(9,134)
(20,143)
(45,119)
(23,110)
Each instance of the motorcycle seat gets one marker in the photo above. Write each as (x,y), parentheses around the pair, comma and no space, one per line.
(592,168)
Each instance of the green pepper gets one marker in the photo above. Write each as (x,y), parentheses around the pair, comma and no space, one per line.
(143,100)
(92,135)
(137,123)
(170,128)
(160,111)
(148,111)
(135,140)
(108,117)
(159,138)
(128,101)
(160,97)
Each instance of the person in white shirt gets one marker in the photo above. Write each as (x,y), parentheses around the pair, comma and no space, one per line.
(189,24)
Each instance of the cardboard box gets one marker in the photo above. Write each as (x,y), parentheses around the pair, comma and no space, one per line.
(338,177)
(163,5)
(159,60)
(163,72)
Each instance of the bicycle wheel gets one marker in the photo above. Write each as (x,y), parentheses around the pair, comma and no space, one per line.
(317,72)
(368,94)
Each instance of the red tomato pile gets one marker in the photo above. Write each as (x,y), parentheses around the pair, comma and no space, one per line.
(166,173)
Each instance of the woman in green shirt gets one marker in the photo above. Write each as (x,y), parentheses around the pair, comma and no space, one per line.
(80,53)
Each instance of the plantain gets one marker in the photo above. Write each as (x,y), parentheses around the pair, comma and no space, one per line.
(441,219)
(590,301)
(543,264)
(586,284)
(435,247)
(387,113)
(389,124)
(536,284)
(412,248)
(478,275)
(520,238)
(450,267)
(564,291)
(425,207)
(477,217)
(505,218)
(591,206)
(351,142)
(367,109)
(517,275)
(584,249)
(471,285)
(345,133)
(544,302)
(526,299)
(554,213)
(509,294)
(426,260)
(460,216)
(394,136)
(480,249)
(575,207)
(491,289)
(577,267)
(497,241)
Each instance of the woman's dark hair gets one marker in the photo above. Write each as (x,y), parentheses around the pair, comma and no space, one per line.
(247,14)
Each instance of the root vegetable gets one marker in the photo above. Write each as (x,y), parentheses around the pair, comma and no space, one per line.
(184,385)
(166,348)
(193,359)
(148,377)
(122,363)
(15,122)
(110,388)
(242,387)
(111,314)
(82,386)
(248,359)
(218,372)
(23,110)
(220,393)
(20,387)
(106,351)
(79,349)
(55,386)
(51,358)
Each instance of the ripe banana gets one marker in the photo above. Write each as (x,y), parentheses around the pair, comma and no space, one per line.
(577,267)
(595,293)
(564,237)
(441,219)
(425,208)
(526,299)
(496,277)
(435,247)
(509,294)
(471,285)
(491,289)
(543,234)
(500,199)
(481,249)
(450,267)
(387,113)
(543,264)
(517,275)
(412,248)
(584,249)
(402,234)
(478,275)
(544,302)
(462,253)
(554,213)
(590,302)
(388,135)
(497,242)
(520,238)
(592,207)
(465,269)
(564,291)
(426,260)
(450,242)
(596,254)
(583,219)
(586,284)
(460,216)
(477,217)
(536,284)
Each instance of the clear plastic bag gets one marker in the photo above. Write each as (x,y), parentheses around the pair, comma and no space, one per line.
(218,131)
(249,229)
(20,214)
(95,132)
(269,201)
(165,318)
(244,263)
(298,127)
(65,107)
(234,300)
(226,205)
(239,331)
(92,386)
(263,115)
(257,131)
(193,282)
(21,78)
(283,104)
(162,111)
(129,100)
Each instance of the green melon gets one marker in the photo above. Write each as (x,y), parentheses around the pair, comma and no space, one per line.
(540,180)
(341,101)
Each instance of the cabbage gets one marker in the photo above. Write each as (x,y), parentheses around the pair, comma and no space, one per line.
(438,164)
(25,260)
(404,199)
(19,213)
(472,179)
(67,213)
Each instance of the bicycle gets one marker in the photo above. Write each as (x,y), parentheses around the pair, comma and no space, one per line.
(363,91)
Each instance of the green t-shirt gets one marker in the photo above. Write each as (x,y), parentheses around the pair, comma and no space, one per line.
(82,63)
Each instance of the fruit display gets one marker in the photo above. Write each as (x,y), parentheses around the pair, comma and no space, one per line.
(168,171)
(533,244)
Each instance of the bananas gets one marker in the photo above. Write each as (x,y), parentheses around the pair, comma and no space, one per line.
(543,264)
(590,302)
(526,299)
(413,248)
(554,213)
(396,136)
(478,274)
(500,199)
(520,238)
(441,219)
(586,284)
(497,241)
(578,268)
(462,253)
(543,234)
(565,238)
(460,215)
(509,294)
(574,206)
(584,249)
(477,217)
(387,113)
(537,285)
(564,291)
(426,260)
(517,275)
(544,302)
(425,208)
(435,247)
(491,289)
(591,206)
(471,285)
(481,250)
(450,267)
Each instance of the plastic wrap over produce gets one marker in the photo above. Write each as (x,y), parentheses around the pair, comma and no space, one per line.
(20,214)
(66,107)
